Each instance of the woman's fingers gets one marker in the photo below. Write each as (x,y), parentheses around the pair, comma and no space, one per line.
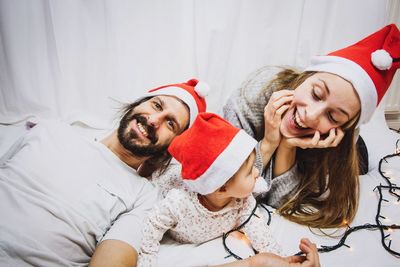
(279,112)
(339,137)
(328,141)
(273,111)
(334,137)
(281,93)
(315,139)
(272,125)
(311,251)
(304,142)
(295,259)
(281,101)
(275,104)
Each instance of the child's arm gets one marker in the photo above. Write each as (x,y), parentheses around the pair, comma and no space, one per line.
(257,229)
(161,218)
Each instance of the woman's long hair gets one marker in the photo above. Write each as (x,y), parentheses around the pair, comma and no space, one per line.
(328,192)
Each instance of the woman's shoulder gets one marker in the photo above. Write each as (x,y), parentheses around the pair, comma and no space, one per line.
(257,82)
(262,75)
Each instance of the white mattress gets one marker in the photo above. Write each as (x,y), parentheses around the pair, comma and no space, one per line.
(365,245)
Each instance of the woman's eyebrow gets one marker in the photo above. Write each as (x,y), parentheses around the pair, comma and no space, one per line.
(328,92)
(344,112)
(326,86)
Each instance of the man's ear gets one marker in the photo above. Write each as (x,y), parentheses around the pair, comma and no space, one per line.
(222,189)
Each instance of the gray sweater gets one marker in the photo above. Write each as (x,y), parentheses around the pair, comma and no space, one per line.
(245,109)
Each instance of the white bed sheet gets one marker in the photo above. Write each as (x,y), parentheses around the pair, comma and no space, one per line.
(365,245)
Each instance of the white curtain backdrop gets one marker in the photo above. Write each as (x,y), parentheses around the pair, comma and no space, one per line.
(70,59)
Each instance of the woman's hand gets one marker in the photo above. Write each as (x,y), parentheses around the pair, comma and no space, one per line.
(311,259)
(271,260)
(332,140)
(273,111)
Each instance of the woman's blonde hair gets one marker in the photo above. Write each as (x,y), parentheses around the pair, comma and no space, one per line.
(328,192)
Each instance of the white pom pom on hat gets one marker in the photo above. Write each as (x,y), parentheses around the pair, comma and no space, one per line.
(381,59)
(202,89)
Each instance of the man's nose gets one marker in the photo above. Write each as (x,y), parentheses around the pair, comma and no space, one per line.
(155,119)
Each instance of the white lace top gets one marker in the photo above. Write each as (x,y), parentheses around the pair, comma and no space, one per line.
(188,221)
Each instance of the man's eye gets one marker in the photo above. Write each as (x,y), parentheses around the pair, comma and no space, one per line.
(171,124)
(157,106)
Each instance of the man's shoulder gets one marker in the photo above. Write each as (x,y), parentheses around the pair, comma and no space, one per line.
(51,125)
(45,128)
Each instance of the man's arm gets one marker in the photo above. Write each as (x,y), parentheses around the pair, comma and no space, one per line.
(119,245)
(111,253)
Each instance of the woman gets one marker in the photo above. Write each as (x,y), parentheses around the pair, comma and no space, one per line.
(294,114)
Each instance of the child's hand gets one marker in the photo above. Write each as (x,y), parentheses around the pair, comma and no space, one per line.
(332,140)
(273,111)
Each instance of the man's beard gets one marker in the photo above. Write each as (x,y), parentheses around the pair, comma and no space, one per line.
(127,139)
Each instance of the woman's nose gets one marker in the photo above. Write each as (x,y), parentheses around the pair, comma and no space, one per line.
(313,115)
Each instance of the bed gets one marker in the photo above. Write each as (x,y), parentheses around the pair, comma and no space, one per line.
(362,247)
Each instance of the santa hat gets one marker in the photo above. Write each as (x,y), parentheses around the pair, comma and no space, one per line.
(369,65)
(211,151)
(192,93)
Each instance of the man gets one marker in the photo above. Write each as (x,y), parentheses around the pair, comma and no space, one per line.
(67,201)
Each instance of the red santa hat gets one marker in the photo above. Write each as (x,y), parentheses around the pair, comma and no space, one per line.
(369,65)
(192,93)
(211,152)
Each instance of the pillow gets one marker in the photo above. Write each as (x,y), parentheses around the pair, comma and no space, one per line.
(379,139)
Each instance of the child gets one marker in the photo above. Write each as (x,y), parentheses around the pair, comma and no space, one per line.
(217,167)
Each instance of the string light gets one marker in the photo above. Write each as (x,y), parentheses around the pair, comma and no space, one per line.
(385,238)
(225,235)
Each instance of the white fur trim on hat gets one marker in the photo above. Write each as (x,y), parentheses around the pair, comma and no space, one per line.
(381,59)
(225,165)
(353,73)
(202,89)
(182,94)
